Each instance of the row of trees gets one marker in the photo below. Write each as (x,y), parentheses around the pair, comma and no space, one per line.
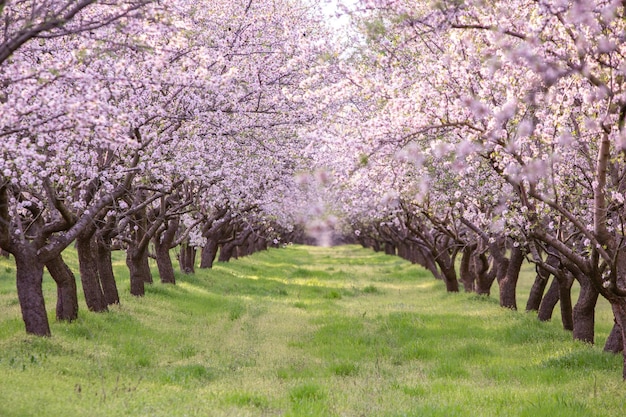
(492,133)
(138,124)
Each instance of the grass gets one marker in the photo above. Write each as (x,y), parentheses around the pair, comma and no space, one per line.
(303,331)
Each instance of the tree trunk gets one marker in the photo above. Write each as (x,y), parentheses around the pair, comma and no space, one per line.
(539,286)
(162,244)
(137,262)
(614,342)
(484,277)
(209,252)
(449,277)
(94,297)
(619,312)
(551,297)
(105,271)
(226,252)
(565,298)
(4,253)
(187,259)
(508,285)
(67,297)
(468,278)
(584,311)
(29,277)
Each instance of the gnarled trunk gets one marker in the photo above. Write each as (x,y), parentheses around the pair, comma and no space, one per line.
(540,284)
(162,244)
(67,297)
(187,258)
(94,297)
(508,285)
(209,252)
(29,274)
(468,275)
(105,271)
(584,311)
(137,262)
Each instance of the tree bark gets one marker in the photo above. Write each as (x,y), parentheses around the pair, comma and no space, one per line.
(105,271)
(565,300)
(162,244)
(539,286)
(614,342)
(508,285)
(619,312)
(226,252)
(484,277)
(29,274)
(209,252)
(139,268)
(94,297)
(584,311)
(548,302)
(187,258)
(468,276)
(67,297)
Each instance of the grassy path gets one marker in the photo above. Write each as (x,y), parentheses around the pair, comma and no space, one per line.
(301,331)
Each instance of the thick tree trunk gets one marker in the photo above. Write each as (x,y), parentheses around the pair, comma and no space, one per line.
(4,253)
(105,271)
(508,286)
(67,297)
(29,274)
(584,311)
(162,244)
(565,300)
(137,262)
(390,248)
(226,252)
(187,259)
(484,277)
(209,252)
(468,276)
(548,302)
(450,278)
(94,297)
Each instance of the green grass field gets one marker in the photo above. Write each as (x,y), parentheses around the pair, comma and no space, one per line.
(303,331)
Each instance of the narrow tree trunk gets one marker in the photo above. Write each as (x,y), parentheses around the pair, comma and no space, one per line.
(584,311)
(508,285)
(67,297)
(29,277)
(94,297)
(105,271)
(551,297)
(614,342)
(537,290)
